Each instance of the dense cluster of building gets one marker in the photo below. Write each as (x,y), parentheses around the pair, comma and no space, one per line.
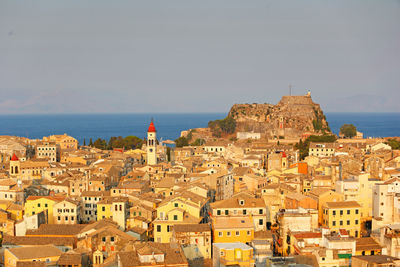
(245,202)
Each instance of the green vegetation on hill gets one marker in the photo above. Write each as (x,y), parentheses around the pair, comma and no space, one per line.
(318,122)
(185,140)
(128,142)
(304,146)
(224,126)
(395,144)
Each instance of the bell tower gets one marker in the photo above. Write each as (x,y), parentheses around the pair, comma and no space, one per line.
(14,165)
(151,144)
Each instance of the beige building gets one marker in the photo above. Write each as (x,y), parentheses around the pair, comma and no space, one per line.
(196,234)
(386,202)
(48,150)
(374,261)
(64,141)
(322,149)
(48,254)
(66,212)
(242,206)
(11,191)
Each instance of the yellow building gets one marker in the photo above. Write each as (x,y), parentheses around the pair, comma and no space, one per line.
(323,195)
(367,246)
(342,215)
(232,254)
(115,208)
(37,204)
(233,229)
(182,209)
(16,211)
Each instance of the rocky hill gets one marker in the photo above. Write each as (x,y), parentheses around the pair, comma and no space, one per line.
(290,118)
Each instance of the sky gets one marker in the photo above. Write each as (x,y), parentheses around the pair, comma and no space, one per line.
(101,56)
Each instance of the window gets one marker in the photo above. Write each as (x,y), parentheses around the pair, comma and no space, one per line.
(175,217)
(356,211)
(341,222)
(226,212)
(334,212)
(348,222)
(341,212)
(219,233)
(218,212)
(72,218)
(103,208)
(59,218)
(356,221)
(260,211)
(248,233)
(112,239)
(348,212)
(158,228)
(176,205)
(261,222)
(103,239)
(38,205)
(237,233)
(333,223)
(228,233)
(244,212)
(66,218)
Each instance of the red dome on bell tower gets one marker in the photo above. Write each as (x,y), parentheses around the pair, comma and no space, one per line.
(152,128)
(14,157)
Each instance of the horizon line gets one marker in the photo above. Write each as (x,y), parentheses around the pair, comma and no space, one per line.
(180,113)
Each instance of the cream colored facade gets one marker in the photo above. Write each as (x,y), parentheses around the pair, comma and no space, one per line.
(48,150)
(64,141)
(66,212)
(386,201)
(322,149)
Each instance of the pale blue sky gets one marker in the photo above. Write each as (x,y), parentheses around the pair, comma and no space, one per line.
(197,56)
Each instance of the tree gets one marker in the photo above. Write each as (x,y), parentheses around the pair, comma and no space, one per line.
(90,142)
(198,142)
(395,144)
(348,130)
(132,142)
(84,142)
(304,146)
(100,144)
(181,142)
(227,126)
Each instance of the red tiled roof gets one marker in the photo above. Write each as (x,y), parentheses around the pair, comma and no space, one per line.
(308,235)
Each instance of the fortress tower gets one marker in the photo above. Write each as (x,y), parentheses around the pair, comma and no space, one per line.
(151,145)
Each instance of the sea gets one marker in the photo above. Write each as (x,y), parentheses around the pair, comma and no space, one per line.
(168,125)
